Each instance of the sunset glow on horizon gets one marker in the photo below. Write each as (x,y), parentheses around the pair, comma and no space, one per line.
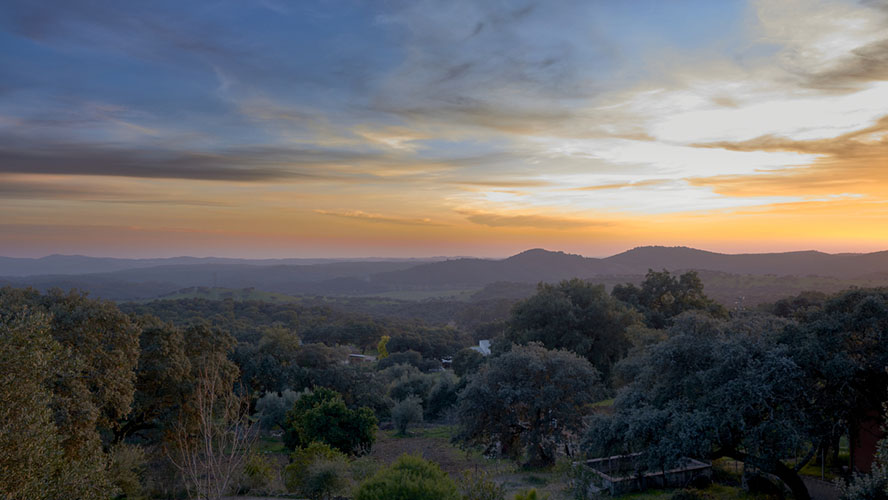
(427,128)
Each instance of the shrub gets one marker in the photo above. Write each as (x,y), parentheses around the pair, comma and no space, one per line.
(322,416)
(410,477)
(258,474)
(127,469)
(477,485)
(299,476)
(872,486)
(406,412)
(530,495)
(325,478)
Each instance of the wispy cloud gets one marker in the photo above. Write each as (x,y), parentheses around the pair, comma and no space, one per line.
(378,218)
(533,221)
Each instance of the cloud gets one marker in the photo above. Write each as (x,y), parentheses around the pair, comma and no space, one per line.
(850,163)
(626,185)
(493,65)
(534,221)
(378,218)
(240,164)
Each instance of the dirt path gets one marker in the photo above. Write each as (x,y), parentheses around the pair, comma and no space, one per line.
(821,490)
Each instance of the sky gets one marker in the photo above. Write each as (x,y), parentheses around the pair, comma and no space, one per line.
(345,128)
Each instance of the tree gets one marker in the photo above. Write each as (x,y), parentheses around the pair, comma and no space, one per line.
(91,349)
(322,416)
(33,461)
(409,478)
(529,401)
(100,349)
(663,296)
(272,409)
(467,361)
(576,316)
(443,396)
(718,390)
(381,349)
(406,412)
(211,443)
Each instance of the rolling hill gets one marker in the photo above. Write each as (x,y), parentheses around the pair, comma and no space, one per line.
(465,274)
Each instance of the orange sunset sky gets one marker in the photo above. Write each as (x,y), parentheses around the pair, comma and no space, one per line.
(420,128)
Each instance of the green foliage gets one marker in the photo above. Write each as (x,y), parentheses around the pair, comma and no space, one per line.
(326,479)
(431,342)
(576,316)
(530,494)
(257,475)
(272,408)
(663,297)
(381,349)
(412,384)
(163,378)
(528,402)
(874,485)
(477,485)
(127,470)
(33,461)
(408,357)
(409,478)
(322,415)
(711,389)
(68,369)
(407,411)
(443,396)
(467,361)
(317,471)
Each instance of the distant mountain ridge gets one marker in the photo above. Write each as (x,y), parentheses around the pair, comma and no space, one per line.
(293,276)
(80,264)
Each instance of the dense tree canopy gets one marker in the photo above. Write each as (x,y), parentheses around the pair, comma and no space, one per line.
(663,296)
(528,401)
(576,316)
(710,390)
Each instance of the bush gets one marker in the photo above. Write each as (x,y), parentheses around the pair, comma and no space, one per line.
(300,477)
(406,412)
(326,478)
(530,495)
(409,477)
(127,469)
(258,474)
(477,485)
(872,486)
(322,416)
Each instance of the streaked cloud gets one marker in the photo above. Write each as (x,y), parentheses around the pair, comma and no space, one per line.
(532,221)
(378,218)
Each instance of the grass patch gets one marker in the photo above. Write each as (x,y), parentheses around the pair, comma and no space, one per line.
(270,444)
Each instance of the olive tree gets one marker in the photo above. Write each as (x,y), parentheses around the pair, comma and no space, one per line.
(528,401)
(708,392)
